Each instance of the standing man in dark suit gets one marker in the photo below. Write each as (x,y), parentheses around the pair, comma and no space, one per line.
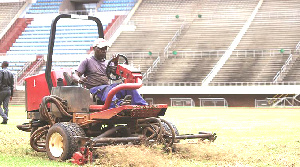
(6,90)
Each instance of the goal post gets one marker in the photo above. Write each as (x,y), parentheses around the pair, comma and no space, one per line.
(213,102)
(176,102)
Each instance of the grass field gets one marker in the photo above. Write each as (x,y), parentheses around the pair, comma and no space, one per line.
(246,137)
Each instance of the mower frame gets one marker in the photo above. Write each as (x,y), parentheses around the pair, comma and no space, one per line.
(64,119)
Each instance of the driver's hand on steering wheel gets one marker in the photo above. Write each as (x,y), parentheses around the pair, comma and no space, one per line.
(115,59)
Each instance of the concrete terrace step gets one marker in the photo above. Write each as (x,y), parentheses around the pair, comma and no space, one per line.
(18,98)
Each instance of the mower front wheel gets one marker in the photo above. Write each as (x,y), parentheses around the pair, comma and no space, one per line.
(61,141)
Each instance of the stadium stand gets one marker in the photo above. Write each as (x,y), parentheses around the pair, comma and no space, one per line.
(116,5)
(15,66)
(141,60)
(274,27)
(292,74)
(71,38)
(154,29)
(248,66)
(60,64)
(212,31)
(8,11)
(213,25)
(181,67)
(44,6)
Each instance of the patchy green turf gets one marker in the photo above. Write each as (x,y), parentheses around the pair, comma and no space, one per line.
(246,137)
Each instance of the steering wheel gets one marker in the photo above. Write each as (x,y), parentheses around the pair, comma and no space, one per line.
(112,66)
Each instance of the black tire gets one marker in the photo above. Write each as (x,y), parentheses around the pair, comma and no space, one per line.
(63,133)
(167,128)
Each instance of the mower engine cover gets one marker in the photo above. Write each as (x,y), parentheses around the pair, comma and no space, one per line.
(78,99)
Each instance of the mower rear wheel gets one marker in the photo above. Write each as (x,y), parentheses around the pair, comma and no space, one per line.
(167,129)
(61,141)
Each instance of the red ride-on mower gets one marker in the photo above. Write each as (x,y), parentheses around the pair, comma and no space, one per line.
(67,122)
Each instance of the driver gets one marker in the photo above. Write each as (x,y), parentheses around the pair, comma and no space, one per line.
(91,72)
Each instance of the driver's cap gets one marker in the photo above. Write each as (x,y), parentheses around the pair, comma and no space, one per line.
(100,43)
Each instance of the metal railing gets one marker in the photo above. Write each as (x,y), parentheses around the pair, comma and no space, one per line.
(220,83)
(159,18)
(133,55)
(237,53)
(298,46)
(150,69)
(287,62)
(278,102)
(177,34)
(279,14)
(19,73)
(183,54)
(31,72)
(166,50)
(172,83)
(252,83)
(208,53)
(283,68)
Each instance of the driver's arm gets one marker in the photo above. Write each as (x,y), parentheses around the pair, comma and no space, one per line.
(78,74)
(77,77)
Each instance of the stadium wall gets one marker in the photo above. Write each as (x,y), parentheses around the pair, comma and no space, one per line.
(234,100)
(236,96)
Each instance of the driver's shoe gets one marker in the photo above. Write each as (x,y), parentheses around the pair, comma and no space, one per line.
(126,100)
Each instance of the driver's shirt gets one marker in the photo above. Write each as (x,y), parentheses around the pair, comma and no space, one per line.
(95,72)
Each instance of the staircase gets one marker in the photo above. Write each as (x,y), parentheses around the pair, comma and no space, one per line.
(8,12)
(30,70)
(282,100)
(18,98)
(292,72)
(13,33)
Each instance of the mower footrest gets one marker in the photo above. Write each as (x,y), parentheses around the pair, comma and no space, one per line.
(24,127)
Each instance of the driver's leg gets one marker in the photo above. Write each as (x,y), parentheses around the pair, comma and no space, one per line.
(136,97)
